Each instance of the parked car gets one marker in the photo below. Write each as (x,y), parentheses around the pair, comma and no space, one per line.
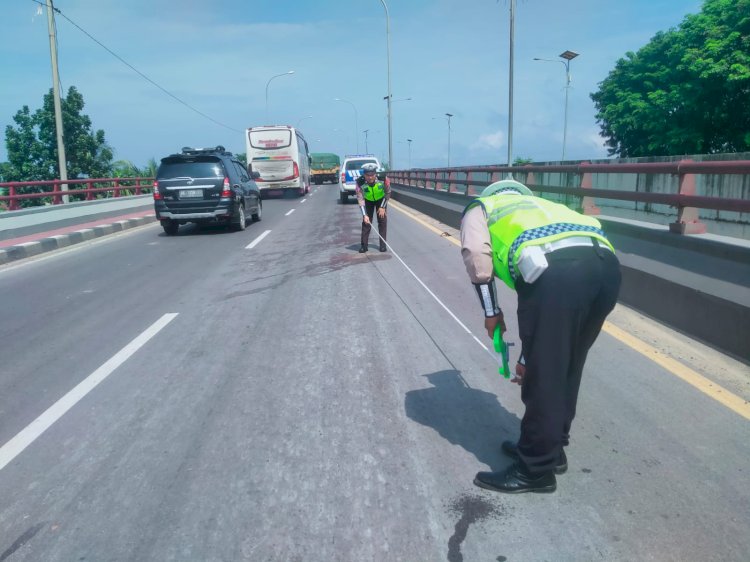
(350,170)
(205,186)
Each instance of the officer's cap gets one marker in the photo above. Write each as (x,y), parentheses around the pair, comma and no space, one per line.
(505,185)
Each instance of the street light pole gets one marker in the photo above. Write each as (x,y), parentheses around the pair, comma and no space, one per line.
(356,126)
(449,138)
(300,121)
(390,96)
(568,56)
(409,141)
(510,83)
(365,132)
(267,84)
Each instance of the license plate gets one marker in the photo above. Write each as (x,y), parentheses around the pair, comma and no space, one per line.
(186,193)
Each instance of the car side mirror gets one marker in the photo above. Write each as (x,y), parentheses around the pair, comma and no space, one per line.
(254,175)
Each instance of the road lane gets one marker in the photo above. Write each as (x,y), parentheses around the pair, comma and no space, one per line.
(312,402)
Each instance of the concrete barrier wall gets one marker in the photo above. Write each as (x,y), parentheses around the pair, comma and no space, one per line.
(717,313)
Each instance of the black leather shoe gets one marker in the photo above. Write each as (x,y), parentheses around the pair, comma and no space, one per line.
(362,249)
(510,448)
(515,480)
(382,247)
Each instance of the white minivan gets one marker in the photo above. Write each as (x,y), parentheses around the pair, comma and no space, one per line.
(279,153)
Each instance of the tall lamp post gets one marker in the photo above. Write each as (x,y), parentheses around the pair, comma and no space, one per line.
(510,83)
(567,56)
(300,121)
(448,118)
(267,84)
(356,126)
(390,96)
(409,141)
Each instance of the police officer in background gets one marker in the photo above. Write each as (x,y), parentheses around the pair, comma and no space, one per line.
(567,278)
(372,194)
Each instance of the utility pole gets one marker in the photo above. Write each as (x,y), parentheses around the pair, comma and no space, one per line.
(365,132)
(56,96)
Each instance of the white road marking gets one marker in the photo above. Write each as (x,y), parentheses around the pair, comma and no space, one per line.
(434,296)
(289,213)
(255,242)
(303,200)
(28,435)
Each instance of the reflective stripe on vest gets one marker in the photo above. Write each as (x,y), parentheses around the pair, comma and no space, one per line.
(373,192)
(517,221)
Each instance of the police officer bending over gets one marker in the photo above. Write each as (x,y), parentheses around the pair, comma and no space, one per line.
(567,278)
(372,193)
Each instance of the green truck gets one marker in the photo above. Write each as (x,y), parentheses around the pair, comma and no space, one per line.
(325,167)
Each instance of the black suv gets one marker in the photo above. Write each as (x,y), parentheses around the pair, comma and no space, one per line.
(205,185)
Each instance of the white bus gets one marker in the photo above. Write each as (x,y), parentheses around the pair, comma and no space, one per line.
(279,153)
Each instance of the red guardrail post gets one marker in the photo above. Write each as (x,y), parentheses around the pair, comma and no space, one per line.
(57,197)
(688,221)
(13,203)
(137,186)
(117,188)
(530,180)
(449,185)
(588,207)
(89,194)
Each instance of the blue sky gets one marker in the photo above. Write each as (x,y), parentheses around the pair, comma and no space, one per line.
(448,56)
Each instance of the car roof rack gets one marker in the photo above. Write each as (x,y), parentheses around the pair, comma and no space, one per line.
(210,150)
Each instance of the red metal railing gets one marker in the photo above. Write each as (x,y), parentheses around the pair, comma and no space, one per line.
(93,187)
(685,199)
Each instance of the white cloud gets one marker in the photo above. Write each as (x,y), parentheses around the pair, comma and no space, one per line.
(489,140)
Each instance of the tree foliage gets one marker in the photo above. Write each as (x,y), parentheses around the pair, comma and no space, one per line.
(32,143)
(686,92)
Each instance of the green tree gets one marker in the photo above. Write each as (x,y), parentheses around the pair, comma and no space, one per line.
(686,91)
(32,144)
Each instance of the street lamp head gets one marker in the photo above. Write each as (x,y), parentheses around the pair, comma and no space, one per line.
(290,72)
(568,55)
(449,114)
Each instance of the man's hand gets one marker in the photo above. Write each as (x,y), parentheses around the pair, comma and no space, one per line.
(520,372)
(493,321)
(366,219)
(381,212)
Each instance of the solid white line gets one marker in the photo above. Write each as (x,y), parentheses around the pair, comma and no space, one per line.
(255,242)
(434,296)
(289,213)
(28,435)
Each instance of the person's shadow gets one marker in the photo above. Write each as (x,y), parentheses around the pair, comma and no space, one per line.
(465,416)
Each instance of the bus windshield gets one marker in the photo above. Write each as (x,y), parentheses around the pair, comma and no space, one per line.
(270,139)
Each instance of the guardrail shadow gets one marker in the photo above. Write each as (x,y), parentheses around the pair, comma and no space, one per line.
(464,416)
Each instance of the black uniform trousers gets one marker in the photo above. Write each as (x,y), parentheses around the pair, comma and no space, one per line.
(559,317)
(370,207)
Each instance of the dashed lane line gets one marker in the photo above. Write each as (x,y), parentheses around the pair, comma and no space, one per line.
(289,213)
(31,432)
(257,241)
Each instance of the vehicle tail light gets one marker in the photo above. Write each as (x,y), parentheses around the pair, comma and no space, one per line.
(226,192)
(295,175)
(157,196)
(343,177)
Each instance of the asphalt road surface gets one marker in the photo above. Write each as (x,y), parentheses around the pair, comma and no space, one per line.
(272,394)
